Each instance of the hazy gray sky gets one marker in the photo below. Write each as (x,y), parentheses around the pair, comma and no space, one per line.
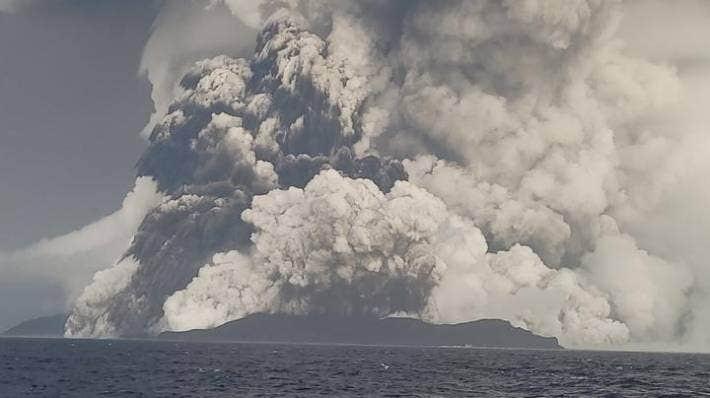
(71,107)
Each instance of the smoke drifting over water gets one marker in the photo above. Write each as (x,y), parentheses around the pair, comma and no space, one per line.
(451,160)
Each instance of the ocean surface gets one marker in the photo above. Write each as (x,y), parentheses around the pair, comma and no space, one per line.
(85,368)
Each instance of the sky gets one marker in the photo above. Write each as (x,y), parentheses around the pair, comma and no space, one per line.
(79,80)
(71,104)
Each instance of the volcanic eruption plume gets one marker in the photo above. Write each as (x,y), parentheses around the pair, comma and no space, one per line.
(450,160)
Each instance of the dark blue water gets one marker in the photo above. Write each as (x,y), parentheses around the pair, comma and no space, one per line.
(74,368)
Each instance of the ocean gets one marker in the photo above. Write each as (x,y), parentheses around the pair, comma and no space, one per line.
(125,368)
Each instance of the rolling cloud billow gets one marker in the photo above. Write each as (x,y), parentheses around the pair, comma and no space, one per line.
(449,160)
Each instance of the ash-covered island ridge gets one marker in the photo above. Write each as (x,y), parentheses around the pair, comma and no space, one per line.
(329,329)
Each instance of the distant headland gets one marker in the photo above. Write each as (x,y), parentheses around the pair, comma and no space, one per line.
(45,326)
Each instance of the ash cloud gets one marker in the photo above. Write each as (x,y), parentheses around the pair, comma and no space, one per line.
(453,161)
(238,128)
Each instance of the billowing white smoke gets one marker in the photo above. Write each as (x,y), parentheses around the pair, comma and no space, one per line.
(655,302)
(338,245)
(96,297)
(342,246)
(185,32)
(529,144)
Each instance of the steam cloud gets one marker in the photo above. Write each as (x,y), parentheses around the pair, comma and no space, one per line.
(450,160)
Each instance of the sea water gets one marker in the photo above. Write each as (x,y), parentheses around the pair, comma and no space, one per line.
(122,368)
